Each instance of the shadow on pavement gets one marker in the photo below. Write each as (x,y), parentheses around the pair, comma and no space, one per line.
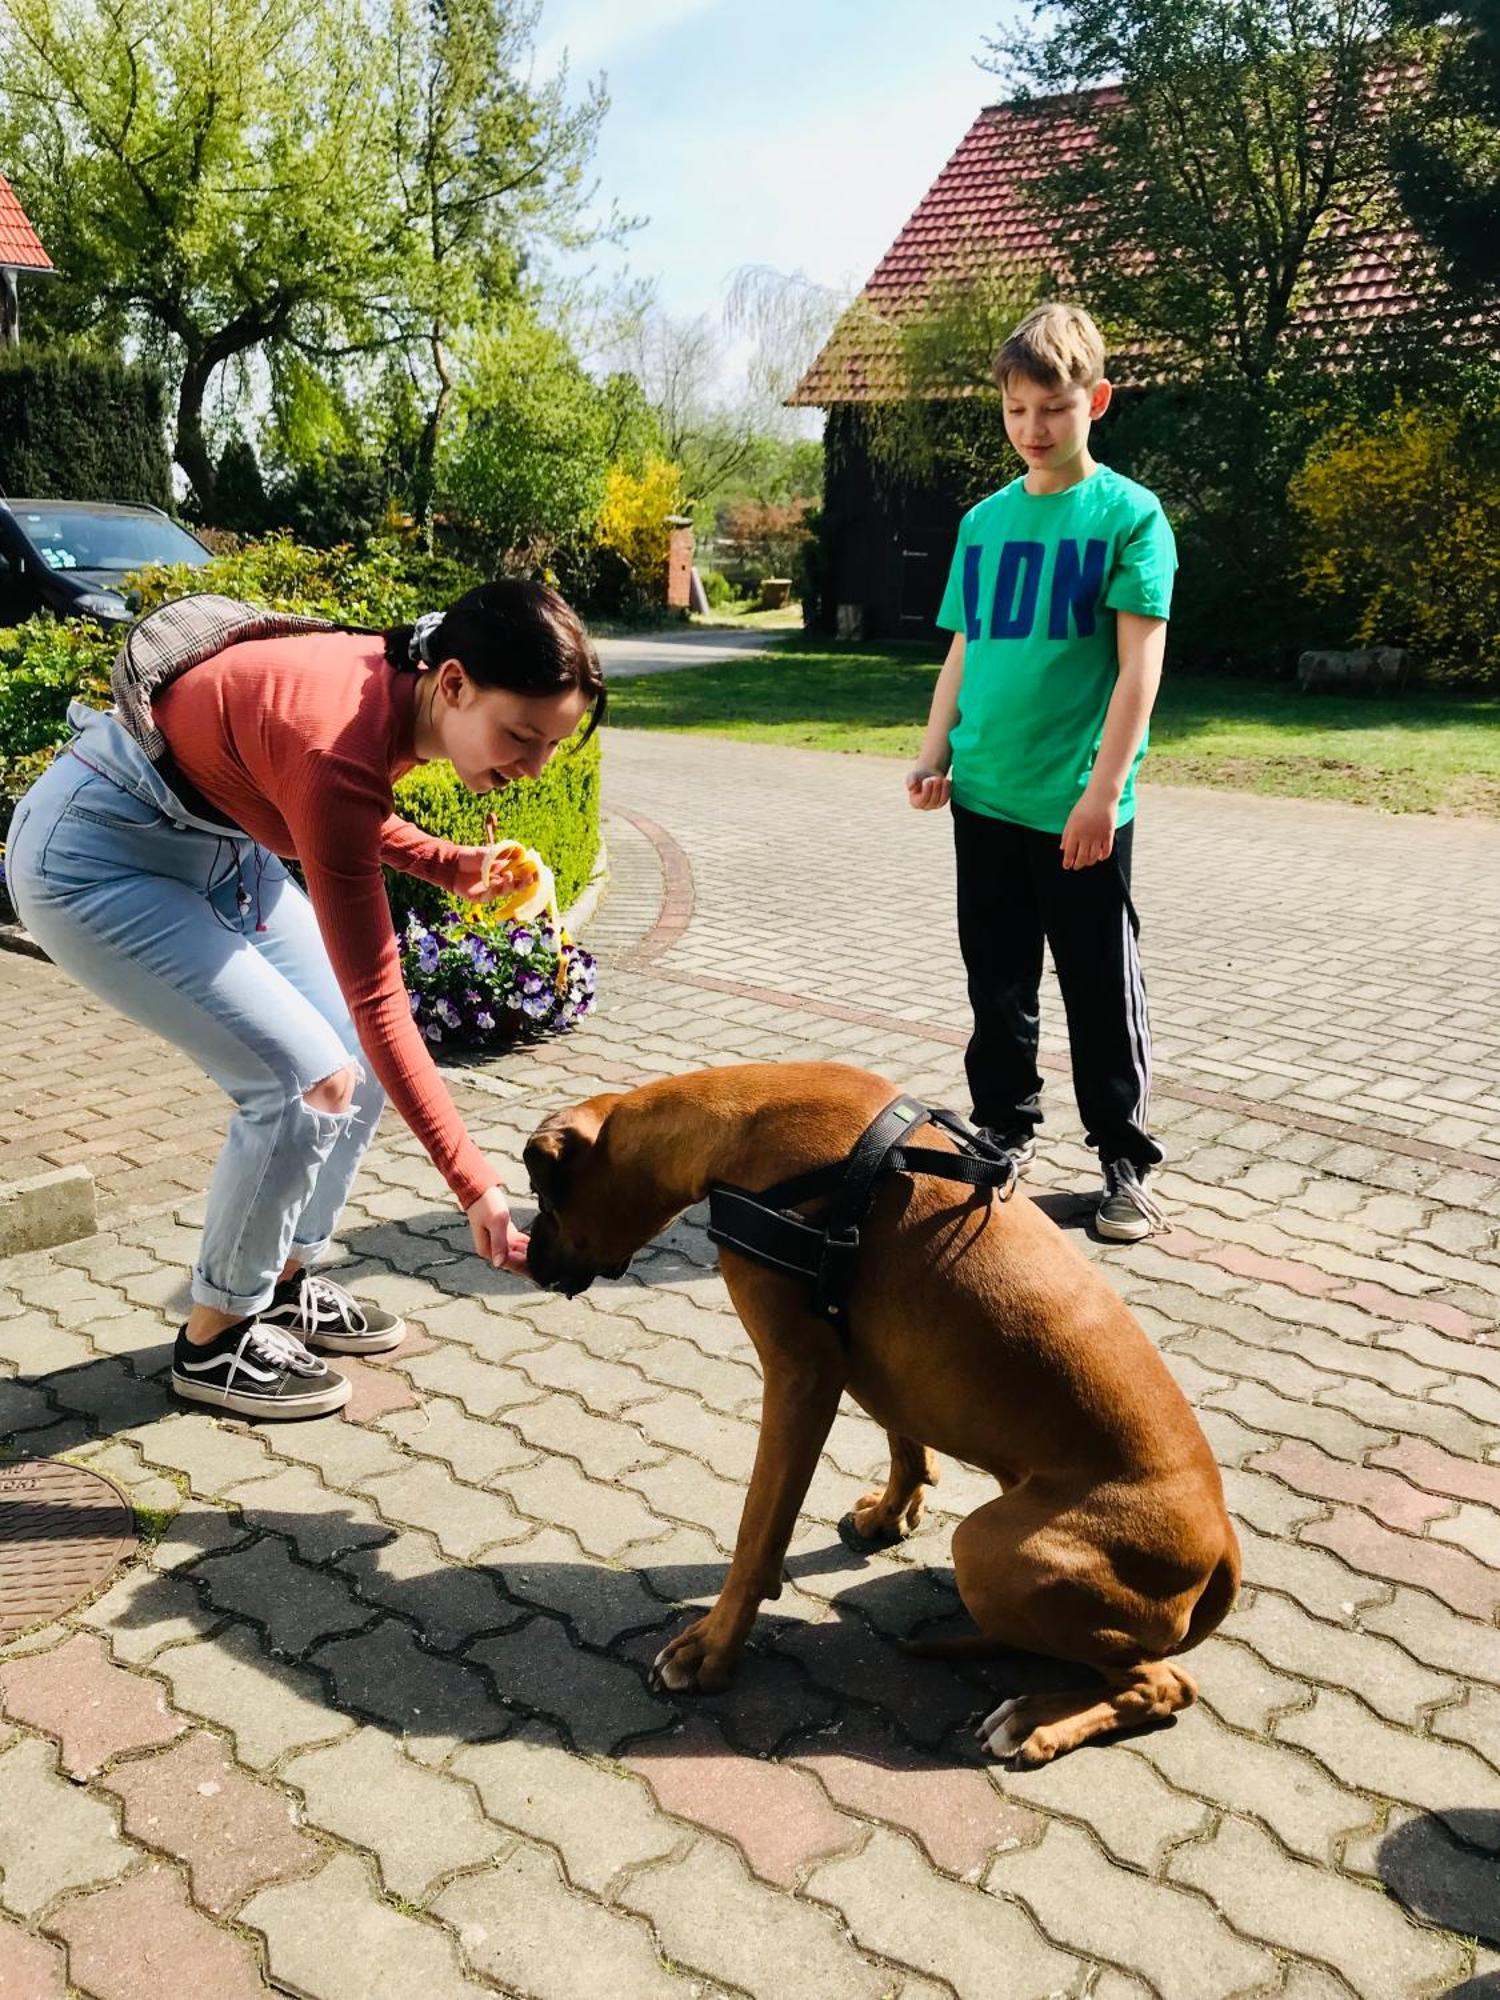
(471,1650)
(1430,1874)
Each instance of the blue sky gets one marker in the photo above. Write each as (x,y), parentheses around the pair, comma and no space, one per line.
(794,133)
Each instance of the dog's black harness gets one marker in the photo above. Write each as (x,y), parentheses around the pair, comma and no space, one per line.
(826,1251)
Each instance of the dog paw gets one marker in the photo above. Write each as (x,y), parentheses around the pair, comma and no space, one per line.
(875,1519)
(1010,1733)
(691,1664)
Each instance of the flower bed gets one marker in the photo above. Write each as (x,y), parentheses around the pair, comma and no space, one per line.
(478,983)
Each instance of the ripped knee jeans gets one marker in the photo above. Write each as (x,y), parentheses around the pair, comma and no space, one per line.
(207,941)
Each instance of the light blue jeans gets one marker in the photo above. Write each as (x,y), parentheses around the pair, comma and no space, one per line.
(206,940)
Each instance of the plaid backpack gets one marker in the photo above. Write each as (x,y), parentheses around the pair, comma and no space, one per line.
(166,642)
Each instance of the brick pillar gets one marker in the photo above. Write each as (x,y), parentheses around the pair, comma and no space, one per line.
(679,575)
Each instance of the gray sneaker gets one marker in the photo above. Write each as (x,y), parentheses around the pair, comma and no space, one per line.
(1022,1150)
(1127,1213)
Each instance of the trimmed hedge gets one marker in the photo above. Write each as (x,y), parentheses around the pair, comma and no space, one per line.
(557,813)
(77,426)
(44,664)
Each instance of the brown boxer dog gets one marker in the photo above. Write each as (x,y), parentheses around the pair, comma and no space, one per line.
(975,1328)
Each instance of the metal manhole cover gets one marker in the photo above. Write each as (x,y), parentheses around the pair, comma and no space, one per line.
(62,1531)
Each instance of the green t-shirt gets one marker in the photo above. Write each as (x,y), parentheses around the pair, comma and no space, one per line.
(1037,579)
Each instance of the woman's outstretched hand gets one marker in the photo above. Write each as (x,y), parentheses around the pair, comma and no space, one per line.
(496,1237)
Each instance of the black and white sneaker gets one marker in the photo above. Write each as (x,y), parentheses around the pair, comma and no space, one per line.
(256,1371)
(1022,1150)
(1127,1211)
(326,1318)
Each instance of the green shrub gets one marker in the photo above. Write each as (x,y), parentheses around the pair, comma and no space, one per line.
(557,814)
(45,663)
(78,426)
(717,589)
(1400,521)
(386,583)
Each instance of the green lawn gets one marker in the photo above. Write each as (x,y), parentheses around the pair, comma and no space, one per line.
(1421,753)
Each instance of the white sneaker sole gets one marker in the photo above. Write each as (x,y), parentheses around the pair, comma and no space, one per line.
(352,1343)
(1122,1232)
(313,1403)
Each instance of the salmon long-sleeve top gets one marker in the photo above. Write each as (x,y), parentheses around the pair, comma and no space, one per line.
(300,740)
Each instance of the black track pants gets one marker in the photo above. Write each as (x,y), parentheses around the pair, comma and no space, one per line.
(1014,896)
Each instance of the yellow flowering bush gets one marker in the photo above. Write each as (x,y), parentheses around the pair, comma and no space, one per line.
(634,518)
(1401,515)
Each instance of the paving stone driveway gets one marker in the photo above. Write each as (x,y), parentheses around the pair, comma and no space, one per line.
(368,1717)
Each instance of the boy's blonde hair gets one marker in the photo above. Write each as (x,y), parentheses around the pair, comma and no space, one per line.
(1055,343)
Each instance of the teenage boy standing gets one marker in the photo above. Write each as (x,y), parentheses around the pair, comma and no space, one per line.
(1058,600)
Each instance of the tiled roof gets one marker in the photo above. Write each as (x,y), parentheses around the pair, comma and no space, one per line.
(20,246)
(975,215)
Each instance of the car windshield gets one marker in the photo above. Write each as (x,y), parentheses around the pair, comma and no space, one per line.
(74,538)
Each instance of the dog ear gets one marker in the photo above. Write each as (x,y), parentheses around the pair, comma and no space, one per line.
(550,1153)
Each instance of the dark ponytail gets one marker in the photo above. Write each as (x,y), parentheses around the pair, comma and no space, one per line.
(511,634)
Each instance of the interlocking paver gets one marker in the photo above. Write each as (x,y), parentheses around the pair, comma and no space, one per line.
(320,1520)
(141,1938)
(234,1835)
(1380,1673)
(552,1573)
(601,1704)
(1330,1299)
(419,1826)
(334,1938)
(432,1702)
(601,1820)
(1313,1912)
(438,1428)
(31,1968)
(959,1815)
(1470,1586)
(94,1709)
(53,1837)
(605,1518)
(1306,1809)
(450,1602)
(520,1925)
(144,1611)
(461,1519)
(296,1605)
(1445,1778)
(604,1449)
(777,1817)
(268,1706)
(715,1918)
(1178,1942)
(894,1904)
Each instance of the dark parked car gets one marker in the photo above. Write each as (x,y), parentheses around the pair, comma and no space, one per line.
(69,557)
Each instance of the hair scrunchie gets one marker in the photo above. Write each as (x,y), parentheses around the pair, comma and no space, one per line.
(421,631)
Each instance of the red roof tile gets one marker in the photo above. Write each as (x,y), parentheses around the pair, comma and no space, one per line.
(975,216)
(20,246)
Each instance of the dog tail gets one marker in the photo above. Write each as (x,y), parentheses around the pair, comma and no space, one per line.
(968,1646)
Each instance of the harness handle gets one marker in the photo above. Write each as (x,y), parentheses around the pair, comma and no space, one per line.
(826,1252)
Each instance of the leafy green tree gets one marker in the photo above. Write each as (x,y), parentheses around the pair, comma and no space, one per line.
(525,463)
(1447,159)
(203,174)
(1234,141)
(315,187)
(484,165)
